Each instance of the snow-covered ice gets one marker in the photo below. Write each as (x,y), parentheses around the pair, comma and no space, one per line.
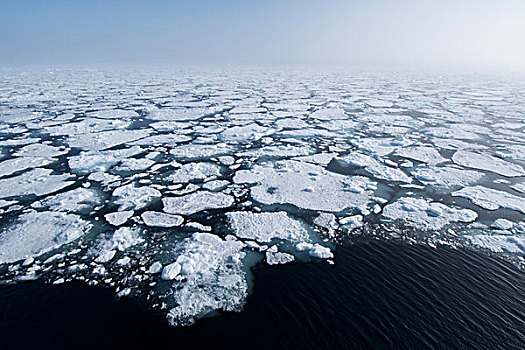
(487,162)
(425,214)
(263,227)
(35,233)
(195,202)
(159,219)
(306,186)
(491,199)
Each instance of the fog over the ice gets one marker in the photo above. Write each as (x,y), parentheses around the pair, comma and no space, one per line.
(478,34)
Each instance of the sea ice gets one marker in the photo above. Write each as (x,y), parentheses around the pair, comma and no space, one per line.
(502,224)
(306,186)
(194,171)
(199,151)
(446,177)
(211,278)
(38,232)
(425,154)
(159,219)
(40,150)
(499,243)
(196,202)
(318,251)
(87,162)
(13,165)
(118,218)
(74,201)
(250,132)
(133,164)
(38,181)
(278,258)
(487,162)
(491,199)
(120,240)
(425,214)
(132,197)
(263,227)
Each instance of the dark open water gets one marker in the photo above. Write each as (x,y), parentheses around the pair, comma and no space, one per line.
(378,295)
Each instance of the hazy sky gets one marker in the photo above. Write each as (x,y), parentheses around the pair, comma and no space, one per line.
(461,33)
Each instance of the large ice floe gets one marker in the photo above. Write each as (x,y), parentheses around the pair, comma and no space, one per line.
(35,233)
(169,184)
(425,214)
(306,186)
(208,276)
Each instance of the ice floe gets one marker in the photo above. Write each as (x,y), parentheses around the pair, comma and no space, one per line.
(211,278)
(194,171)
(91,161)
(446,177)
(35,233)
(74,201)
(487,162)
(13,165)
(278,258)
(196,202)
(425,214)
(159,219)
(306,186)
(119,218)
(424,154)
(38,181)
(492,199)
(132,197)
(263,227)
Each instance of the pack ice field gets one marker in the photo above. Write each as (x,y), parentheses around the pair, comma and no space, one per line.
(168,184)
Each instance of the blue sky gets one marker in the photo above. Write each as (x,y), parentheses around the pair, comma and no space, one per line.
(461,33)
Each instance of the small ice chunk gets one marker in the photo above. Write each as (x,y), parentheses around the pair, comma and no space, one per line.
(318,251)
(171,271)
(124,261)
(326,220)
(124,292)
(215,185)
(278,258)
(159,219)
(302,246)
(122,239)
(352,222)
(105,256)
(198,227)
(118,218)
(502,224)
(156,267)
